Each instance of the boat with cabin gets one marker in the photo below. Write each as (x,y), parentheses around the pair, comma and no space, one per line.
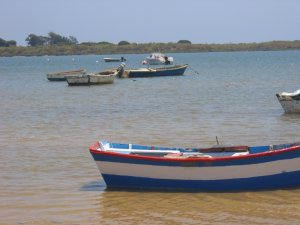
(158,58)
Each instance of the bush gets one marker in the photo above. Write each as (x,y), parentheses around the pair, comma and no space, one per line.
(123,43)
(184,42)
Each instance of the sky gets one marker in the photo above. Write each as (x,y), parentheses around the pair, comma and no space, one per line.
(144,21)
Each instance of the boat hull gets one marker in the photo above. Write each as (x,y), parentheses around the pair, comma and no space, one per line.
(290,102)
(90,80)
(276,169)
(291,106)
(161,72)
(276,181)
(61,76)
(114,60)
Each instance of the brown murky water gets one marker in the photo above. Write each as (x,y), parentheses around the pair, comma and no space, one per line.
(47,175)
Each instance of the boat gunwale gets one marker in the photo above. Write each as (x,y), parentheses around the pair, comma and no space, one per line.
(94,149)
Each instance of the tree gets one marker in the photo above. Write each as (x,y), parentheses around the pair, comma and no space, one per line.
(184,42)
(35,40)
(123,43)
(73,40)
(4,43)
(55,39)
(11,43)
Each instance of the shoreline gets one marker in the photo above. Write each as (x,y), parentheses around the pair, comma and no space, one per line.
(144,48)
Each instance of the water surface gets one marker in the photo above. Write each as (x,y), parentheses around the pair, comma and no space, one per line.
(47,175)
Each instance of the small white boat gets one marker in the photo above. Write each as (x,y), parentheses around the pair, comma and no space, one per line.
(290,102)
(106,77)
(61,76)
(122,59)
(158,59)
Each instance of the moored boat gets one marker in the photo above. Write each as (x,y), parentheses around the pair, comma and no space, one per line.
(158,59)
(155,72)
(290,102)
(122,59)
(129,166)
(106,77)
(61,76)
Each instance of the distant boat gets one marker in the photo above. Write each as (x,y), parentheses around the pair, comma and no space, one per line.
(61,76)
(155,72)
(92,78)
(290,102)
(158,59)
(229,168)
(122,59)
(104,77)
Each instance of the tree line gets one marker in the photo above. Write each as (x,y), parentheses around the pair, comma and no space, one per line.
(56,39)
(56,44)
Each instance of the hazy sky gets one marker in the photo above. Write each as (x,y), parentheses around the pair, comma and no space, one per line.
(200,21)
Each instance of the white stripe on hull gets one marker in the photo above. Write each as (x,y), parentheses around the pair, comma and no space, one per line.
(199,173)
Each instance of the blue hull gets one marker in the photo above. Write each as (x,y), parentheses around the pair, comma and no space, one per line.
(284,180)
(57,79)
(172,71)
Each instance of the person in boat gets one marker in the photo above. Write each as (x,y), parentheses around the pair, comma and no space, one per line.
(123,59)
(167,62)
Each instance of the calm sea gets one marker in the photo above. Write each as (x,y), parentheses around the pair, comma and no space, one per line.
(47,175)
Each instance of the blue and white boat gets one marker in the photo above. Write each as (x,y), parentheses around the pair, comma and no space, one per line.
(231,168)
(177,70)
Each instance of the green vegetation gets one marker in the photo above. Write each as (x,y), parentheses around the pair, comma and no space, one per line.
(4,43)
(124,47)
(51,39)
(123,43)
(184,42)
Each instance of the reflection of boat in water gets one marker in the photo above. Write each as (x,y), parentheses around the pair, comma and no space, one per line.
(158,59)
(218,168)
(122,59)
(155,72)
(61,76)
(290,102)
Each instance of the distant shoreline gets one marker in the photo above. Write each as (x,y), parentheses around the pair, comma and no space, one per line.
(134,48)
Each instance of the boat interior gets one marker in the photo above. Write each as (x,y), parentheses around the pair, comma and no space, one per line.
(214,151)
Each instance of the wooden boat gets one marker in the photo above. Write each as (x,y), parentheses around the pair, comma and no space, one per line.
(155,72)
(61,76)
(106,77)
(122,59)
(290,102)
(158,59)
(129,166)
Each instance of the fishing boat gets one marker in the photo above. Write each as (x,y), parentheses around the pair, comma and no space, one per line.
(61,76)
(219,168)
(122,59)
(290,102)
(155,72)
(158,58)
(106,77)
